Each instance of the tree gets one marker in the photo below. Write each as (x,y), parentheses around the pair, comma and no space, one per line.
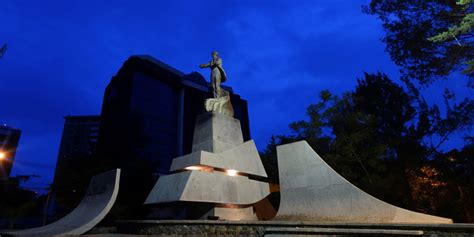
(16,202)
(463,31)
(357,132)
(427,39)
(379,138)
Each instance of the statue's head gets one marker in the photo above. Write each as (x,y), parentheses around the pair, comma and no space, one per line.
(215,55)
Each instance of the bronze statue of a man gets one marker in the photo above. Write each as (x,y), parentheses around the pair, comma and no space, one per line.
(217,74)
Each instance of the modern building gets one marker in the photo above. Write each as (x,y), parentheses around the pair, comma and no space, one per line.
(9,138)
(80,136)
(79,140)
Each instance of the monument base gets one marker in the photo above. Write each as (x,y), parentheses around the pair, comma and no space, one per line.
(215,132)
(221,175)
(284,228)
(230,214)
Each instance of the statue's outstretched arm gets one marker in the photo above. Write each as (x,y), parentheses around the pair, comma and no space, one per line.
(204,65)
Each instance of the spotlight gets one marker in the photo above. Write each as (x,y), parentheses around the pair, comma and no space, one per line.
(231,172)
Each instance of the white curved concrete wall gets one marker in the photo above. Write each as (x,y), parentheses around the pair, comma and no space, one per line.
(312,191)
(99,199)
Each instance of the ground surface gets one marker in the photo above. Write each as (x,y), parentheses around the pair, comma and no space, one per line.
(277,228)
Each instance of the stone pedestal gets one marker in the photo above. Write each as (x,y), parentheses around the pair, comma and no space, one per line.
(216,132)
(219,174)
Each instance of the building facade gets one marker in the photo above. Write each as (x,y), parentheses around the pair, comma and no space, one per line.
(80,136)
(78,141)
(9,139)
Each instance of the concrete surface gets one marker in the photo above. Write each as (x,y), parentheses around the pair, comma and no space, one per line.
(244,158)
(199,186)
(215,132)
(260,228)
(218,148)
(232,214)
(312,191)
(99,199)
(288,231)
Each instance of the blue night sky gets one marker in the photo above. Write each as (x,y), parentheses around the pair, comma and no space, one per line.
(278,55)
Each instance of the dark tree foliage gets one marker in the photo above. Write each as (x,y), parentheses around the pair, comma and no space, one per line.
(15,201)
(71,182)
(410,27)
(136,181)
(378,139)
(456,172)
(430,40)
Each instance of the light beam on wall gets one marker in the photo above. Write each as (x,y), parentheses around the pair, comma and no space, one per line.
(231,172)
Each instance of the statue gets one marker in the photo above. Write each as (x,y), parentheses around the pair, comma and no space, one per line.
(217,73)
(221,102)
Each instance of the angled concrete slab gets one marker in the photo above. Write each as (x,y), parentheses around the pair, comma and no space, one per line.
(99,199)
(312,191)
(199,186)
(244,158)
(222,174)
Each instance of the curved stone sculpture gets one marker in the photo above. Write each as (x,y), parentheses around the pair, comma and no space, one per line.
(312,191)
(99,199)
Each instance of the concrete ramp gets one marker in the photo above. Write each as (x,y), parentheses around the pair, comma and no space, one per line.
(99,199)
(312,191)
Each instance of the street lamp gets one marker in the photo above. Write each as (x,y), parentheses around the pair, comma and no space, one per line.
(2,155)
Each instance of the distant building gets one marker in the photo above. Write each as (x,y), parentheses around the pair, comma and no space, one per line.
(9,138)
(80,136)
(77,149)
(79,139)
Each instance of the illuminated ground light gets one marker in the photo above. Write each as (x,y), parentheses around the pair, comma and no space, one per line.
(193,168)
(231,172)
